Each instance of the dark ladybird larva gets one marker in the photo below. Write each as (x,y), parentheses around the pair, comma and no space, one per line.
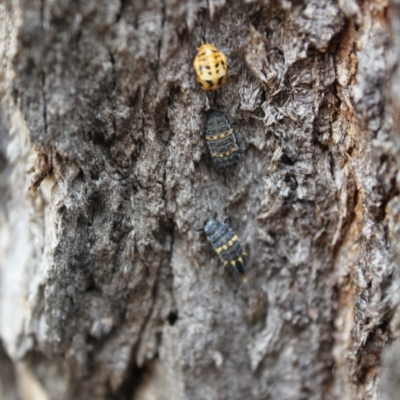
(221,140)
(226,244)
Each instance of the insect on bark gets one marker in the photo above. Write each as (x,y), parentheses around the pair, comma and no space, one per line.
(227,245)
(211,67)
(221,140)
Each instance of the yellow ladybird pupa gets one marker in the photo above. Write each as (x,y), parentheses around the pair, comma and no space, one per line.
(211,67)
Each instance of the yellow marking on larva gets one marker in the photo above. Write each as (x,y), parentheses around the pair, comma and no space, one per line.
(234,239)
(220,136)
(228,245)
(222,248)
(222,155)
(234,261)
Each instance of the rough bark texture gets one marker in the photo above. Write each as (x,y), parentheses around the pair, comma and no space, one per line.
(107,291)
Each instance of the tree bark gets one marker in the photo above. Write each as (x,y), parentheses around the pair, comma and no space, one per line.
(107,291)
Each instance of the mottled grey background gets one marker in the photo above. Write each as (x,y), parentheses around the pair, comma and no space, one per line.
(106,292)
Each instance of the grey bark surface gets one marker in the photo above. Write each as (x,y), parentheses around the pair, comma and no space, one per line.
(107,291)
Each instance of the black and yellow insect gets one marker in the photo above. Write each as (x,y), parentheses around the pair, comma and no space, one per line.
(211,67)
(227,245)
(221,140)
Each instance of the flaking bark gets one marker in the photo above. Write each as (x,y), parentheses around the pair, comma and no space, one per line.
(107,291)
